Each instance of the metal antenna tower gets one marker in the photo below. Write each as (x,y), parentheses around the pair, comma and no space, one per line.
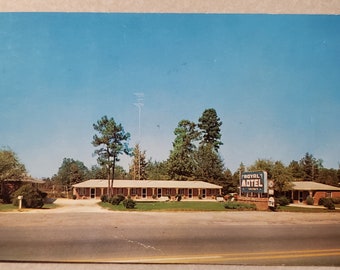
(139,104)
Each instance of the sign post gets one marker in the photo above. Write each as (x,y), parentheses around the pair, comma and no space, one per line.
(20,201)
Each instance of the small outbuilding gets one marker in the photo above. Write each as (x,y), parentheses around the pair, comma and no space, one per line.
(147,189)
(302,189)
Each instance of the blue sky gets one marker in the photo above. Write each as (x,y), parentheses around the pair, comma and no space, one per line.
(274,81)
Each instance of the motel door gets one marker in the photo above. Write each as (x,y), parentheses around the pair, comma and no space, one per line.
(190,192)
(300,196)
(93,193)
(144,192)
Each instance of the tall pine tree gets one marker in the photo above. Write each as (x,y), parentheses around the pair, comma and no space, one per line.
(139,164)
(209,164)
(210,124)
(181,165)
(113,141)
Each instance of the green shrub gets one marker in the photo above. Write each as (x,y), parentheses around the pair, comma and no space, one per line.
(239,206)
(32,197)
(329,205)
(336,200)
(129,203)
(117,199)
(283,201)
(327,202)
(322,201)
(310,200)
(74,197)
(104,198)
(178,197)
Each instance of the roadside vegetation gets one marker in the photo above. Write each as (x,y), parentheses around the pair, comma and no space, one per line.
(330,203)
(32,197)
(168,206)
(204,206)
(12,208)
(7,207)
(239,206)
(305,209)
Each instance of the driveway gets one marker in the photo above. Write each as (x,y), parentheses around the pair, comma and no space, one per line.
(75,206)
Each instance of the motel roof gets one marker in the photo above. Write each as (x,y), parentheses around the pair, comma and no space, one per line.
(309,185)
(101,183)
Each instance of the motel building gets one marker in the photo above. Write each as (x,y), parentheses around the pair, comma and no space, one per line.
(256,188)
(302,189)
(147,189)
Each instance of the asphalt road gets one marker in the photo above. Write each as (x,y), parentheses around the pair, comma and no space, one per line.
(227,238)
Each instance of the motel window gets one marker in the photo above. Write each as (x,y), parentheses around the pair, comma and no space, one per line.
(167,192)
(328,194)
(133,191)
(81,191)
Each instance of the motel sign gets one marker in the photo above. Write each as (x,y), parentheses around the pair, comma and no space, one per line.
(255,182)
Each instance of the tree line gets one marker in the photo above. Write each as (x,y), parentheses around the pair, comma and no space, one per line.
(194,156)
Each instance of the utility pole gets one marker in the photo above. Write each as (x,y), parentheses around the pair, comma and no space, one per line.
(139,104)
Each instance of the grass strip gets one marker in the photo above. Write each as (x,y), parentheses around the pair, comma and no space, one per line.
(169,206)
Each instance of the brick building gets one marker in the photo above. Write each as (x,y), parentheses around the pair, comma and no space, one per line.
(302,189)
(147,189)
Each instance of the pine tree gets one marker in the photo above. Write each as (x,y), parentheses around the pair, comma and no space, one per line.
(139,164)
(310,166)
(210,165)
(181,163)
(113,141)
(210,124)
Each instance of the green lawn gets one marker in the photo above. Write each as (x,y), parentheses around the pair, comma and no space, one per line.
(7,207)
(169,206)
(11,207)
(199,206)
(304,209)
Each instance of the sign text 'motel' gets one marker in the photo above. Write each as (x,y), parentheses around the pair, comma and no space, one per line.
(254,182)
